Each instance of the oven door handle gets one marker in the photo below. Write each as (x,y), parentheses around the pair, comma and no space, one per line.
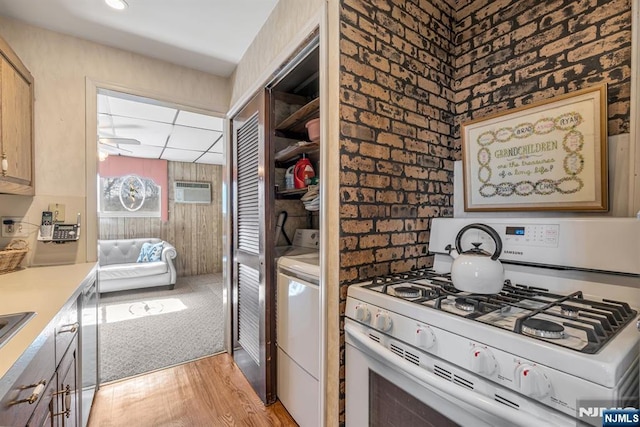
(455,392)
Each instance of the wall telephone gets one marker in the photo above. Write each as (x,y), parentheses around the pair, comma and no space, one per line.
(57,232)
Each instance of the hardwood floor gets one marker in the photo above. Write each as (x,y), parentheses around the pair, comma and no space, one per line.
(207,392)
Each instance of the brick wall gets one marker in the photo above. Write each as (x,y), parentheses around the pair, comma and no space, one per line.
(396,113)
(513,52)
(396,109)
(414,70)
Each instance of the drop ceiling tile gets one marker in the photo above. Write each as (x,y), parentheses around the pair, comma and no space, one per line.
(125,116)
(146,131)
(218,146)
(212,158)
(202,121)
(192,138)
(141,110)
(180,155)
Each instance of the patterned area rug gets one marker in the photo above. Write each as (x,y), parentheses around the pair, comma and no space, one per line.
(145,330)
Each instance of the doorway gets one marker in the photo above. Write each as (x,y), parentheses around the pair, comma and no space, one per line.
(159,176)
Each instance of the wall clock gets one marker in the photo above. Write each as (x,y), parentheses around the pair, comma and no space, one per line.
(132,193)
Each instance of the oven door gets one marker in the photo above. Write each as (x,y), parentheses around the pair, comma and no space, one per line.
(383,389)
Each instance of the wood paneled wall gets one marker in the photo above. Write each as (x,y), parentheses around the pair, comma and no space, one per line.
(194,229)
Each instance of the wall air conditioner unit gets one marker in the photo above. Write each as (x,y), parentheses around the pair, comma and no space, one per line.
(192,192)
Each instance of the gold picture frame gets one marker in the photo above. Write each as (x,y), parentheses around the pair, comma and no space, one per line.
(550,155)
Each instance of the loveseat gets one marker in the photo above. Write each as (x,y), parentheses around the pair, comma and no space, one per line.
(120,270)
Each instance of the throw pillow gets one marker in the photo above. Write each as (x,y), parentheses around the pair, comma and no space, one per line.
(150,252)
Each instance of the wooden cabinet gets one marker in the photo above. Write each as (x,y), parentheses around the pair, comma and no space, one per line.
(46,392)
(16,124)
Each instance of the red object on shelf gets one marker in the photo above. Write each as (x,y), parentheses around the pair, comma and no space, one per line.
(301,172)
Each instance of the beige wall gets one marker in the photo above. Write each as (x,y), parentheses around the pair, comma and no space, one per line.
(278,35)
(60,65)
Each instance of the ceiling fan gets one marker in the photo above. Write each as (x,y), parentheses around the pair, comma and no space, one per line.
(112,144)
(111,139)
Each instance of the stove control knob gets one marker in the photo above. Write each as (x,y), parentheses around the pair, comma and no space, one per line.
(362,313)
(532,381)
(383,321)
(482,361)
(424,337)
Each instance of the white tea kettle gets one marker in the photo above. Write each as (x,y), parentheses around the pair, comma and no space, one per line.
(476,270)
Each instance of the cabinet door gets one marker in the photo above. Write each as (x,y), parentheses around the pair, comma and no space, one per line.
(66,329)
(16,122)
(66,402)
(253,291)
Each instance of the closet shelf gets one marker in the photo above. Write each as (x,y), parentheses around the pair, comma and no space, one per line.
(296,121)
(295,150)
(291,193)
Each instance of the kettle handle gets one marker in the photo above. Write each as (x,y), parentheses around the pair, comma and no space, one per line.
(483,227)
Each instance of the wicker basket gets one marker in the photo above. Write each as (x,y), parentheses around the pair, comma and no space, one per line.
(12,255)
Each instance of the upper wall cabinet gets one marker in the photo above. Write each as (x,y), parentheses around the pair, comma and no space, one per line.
(16,124)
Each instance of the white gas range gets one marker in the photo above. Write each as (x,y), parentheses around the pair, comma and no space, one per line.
(559,340)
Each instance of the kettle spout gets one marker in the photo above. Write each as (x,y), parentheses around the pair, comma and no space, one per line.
(452,252)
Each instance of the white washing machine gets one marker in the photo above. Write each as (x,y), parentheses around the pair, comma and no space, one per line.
(298,329)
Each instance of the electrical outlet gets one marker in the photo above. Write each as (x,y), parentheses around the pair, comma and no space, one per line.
(13,226)
(58,211)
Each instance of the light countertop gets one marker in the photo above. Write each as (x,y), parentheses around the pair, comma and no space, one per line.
(44,290)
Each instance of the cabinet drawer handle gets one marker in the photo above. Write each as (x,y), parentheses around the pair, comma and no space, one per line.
(67,401)
(39,387)
(66,413)
(66,390)
(72,328)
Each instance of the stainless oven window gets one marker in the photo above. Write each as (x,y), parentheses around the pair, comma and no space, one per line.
(390,405)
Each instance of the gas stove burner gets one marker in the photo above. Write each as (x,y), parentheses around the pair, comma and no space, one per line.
(569,311)
(406,292)
(465,304)
(542,329)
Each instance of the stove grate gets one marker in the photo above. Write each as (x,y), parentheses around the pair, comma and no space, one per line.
(600,321)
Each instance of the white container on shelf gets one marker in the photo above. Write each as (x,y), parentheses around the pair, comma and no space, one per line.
(288,178)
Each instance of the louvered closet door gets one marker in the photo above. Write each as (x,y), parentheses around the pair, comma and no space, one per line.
(252,304)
